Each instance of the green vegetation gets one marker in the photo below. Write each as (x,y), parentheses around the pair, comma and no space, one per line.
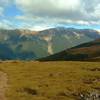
(51,80)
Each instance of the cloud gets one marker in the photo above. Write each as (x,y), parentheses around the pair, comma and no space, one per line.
(3,5)
(1,11)
(5,24)
(50,8)
(47,13)
(85,10)
(97,11)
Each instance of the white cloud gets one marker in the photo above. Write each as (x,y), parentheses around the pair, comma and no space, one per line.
(62,9)
(44,6)
(1,11)
(49,8)
(41,14)
(5,24)
(3,5)
(97,11)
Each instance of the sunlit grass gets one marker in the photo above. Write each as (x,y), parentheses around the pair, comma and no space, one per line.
(50,80)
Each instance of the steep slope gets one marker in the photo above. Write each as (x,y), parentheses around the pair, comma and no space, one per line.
(59,39)
(84,52)
(5,52)
(26,44)
(23,43)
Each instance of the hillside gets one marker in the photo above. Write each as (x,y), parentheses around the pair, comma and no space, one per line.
(84,52)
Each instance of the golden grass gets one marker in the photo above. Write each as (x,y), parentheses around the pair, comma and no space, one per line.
(50,80)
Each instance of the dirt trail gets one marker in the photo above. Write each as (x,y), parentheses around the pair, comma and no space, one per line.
(3,85)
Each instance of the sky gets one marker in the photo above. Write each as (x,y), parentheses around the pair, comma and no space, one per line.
(43,14)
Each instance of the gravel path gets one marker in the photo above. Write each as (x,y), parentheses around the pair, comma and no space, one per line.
(3,85)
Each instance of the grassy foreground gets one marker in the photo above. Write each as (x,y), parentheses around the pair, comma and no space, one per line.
(51,80)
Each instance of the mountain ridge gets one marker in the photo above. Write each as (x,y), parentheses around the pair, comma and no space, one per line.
(84,52)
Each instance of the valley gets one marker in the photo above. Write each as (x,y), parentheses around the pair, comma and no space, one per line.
(49,49)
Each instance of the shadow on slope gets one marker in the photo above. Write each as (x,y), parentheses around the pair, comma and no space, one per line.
(84,52)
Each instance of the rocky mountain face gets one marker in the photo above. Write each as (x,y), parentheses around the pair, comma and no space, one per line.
(29,45)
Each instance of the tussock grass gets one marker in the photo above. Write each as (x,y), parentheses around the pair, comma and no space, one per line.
(51,80)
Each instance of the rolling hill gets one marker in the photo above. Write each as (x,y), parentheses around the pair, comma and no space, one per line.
(84,52)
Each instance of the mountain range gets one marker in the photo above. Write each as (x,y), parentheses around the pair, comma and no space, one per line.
(30,45)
